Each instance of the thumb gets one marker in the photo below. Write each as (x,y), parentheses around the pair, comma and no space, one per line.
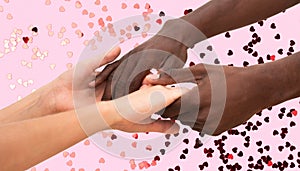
(99,60)
(85,69)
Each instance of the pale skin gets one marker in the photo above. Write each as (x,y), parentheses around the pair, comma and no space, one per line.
(33,134)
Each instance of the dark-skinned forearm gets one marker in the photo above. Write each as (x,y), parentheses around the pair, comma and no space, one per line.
(278,81)
(218,16)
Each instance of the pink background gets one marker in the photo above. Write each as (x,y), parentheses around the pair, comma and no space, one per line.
(29,74)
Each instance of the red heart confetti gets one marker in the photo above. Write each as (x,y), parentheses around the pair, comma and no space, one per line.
(159,21)
(25,39)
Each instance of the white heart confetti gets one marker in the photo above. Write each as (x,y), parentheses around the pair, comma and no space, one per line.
(12,86)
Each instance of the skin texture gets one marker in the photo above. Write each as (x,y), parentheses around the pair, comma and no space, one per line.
(31,141)
(213,18)
(28,116)
(219,16)
(248,91)
(135,65)
(57,96)
(33,134)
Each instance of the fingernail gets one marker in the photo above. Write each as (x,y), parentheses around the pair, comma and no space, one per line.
(170,86)
(154,71)
(153,76)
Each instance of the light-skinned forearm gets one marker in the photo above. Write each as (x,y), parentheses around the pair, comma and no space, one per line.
(32,141)
(34,105)
(28,142)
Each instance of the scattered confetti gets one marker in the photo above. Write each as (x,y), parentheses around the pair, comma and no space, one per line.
(62,9)
(124,6)
(32,48)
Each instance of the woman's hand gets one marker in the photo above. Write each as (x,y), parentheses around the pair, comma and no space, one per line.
(51,134)
(58,95)
(48,135)
(132,113)
(63,88)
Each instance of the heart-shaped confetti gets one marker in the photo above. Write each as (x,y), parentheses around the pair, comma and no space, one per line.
(12,86)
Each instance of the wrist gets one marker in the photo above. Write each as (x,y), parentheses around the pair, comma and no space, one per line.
(109,113)
(96,117)
(32,106)
(47,99)
(171,46)
(182,31)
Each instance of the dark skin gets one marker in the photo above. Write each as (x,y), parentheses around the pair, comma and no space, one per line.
(248,91)
(213,18)
(135,65)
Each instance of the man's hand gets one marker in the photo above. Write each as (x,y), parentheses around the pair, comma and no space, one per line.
(246,94)
(126,75)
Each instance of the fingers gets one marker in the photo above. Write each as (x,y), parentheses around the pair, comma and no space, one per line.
(188,103)
(110,56)
(172,110)
(144,86)
(155,98)
(139,105)
(95,62)
(162,126)
(105,73)
(161,78)
(85,70)
(130,74)
(172,76)
(137,81)
(107,91)
(99,91)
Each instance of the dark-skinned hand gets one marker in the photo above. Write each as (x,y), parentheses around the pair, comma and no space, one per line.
(235,100)
(126,75)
